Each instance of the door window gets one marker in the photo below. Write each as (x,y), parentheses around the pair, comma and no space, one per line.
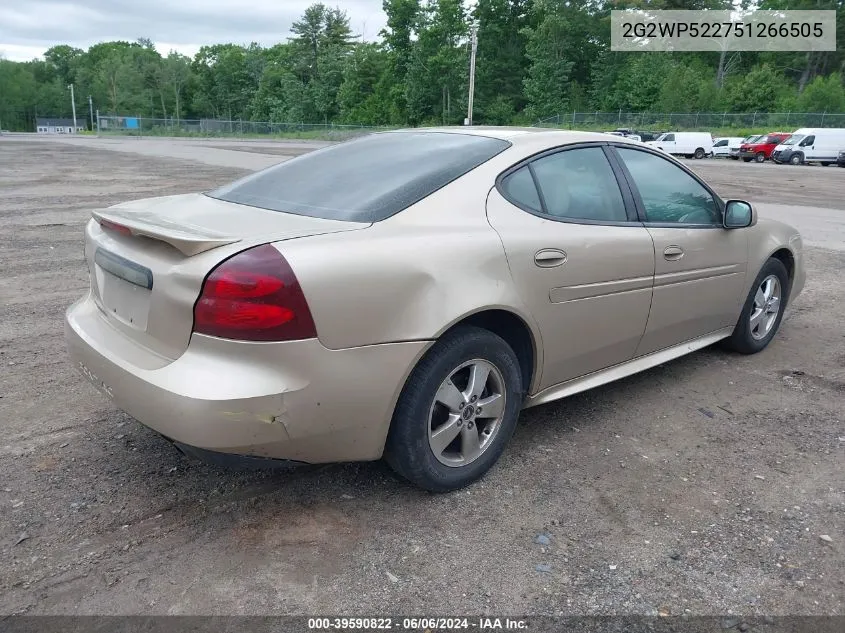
(808,141)
(669,194)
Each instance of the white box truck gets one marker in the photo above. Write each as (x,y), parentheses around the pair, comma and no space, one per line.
(811,145)
(689,144)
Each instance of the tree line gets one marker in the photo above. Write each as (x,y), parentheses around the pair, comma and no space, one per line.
(535,59)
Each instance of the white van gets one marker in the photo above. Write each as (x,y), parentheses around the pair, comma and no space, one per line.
(689,144)
(722,146)
(811,145)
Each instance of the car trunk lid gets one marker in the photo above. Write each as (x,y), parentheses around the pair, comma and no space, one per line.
(148,259)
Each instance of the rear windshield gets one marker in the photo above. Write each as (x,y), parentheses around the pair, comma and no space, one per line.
(365,180)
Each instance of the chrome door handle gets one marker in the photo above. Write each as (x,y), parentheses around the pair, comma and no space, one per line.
(549,258)
(673,253)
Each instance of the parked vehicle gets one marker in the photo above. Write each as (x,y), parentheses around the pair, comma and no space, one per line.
(689,144)
(811,145)
(649,136)
(841,158)
(626,133)
(762,147)
(734,151)
(722,146)
(446,280)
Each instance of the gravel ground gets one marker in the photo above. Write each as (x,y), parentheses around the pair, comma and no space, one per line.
(703,486)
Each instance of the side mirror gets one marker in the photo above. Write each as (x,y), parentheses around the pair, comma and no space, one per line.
(738,214)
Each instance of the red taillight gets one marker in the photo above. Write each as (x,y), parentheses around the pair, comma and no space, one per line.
(114,226)
(254,296)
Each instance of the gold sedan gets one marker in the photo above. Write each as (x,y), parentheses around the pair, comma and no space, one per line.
(405,295)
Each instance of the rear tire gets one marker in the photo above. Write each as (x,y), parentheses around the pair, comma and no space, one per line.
(699,153)
(438,402)
(824,164)
(760,157)
(760,319)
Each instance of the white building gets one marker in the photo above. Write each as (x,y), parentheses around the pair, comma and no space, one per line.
(57,126)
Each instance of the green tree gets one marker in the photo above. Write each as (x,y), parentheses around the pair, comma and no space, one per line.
(501,60)
(361,97)
(550,64)
(437,75)
(758,91)
(176,73)
(823,94)
(403,18)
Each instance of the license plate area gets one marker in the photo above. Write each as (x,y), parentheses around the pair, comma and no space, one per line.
(124,288)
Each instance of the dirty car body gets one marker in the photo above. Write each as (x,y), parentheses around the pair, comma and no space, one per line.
(310,312)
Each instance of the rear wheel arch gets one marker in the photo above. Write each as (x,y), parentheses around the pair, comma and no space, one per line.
(515,332)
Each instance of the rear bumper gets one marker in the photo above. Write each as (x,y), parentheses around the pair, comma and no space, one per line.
(297,400)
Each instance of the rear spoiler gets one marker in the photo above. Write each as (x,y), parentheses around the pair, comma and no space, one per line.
(187,238)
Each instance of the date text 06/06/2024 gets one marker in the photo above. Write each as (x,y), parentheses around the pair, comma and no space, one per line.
(422,624)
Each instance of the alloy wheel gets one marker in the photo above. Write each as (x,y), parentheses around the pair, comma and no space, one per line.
(466,413)
(766,307)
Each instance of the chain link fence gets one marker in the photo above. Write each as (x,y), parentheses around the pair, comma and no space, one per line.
(700,121)
(144,126)
(656,121)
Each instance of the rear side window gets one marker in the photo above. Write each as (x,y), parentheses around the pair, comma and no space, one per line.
(574,185)
(519,187)
(365,180)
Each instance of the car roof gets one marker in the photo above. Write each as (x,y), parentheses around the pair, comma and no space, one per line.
(527,135)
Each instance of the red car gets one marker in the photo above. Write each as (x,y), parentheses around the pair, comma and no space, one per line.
(762,148)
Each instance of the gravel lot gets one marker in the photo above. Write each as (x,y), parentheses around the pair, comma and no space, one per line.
(702,486)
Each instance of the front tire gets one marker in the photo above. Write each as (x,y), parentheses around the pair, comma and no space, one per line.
(763,310)
(457,411)
(760,157)
(796,159)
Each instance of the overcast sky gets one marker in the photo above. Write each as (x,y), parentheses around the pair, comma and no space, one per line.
(30,27)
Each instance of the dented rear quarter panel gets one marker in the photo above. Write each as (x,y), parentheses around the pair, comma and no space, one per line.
(411,276)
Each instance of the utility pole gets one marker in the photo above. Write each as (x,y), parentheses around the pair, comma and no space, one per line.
(91,111)
(472,74)
(73,105)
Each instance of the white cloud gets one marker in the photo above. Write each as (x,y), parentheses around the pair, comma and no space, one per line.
(31,27)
